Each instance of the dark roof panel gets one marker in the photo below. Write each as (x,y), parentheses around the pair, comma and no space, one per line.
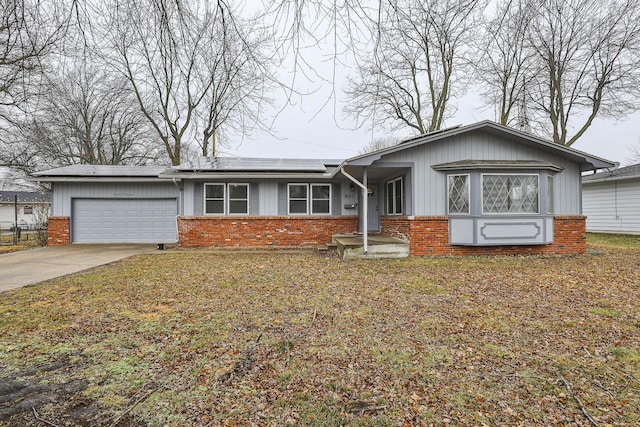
(106,171)
(25,197)
(249,164)
(627,172)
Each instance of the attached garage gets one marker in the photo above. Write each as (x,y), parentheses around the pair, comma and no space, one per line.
(124,221)
(112,204)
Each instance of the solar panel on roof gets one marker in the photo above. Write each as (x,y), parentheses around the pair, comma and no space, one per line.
(246,164)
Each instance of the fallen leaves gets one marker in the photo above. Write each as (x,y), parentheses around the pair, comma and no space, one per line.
(459,341)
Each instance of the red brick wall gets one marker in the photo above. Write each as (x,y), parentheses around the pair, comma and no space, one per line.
(262,231)
(430,236)
(59,231)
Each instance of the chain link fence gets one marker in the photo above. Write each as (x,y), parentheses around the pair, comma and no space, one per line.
(30,234)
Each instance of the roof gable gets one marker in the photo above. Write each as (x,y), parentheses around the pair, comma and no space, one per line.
(586,161)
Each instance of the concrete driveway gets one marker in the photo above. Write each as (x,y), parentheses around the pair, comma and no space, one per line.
(25,267)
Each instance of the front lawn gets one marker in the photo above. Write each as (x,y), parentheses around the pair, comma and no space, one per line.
(226,338)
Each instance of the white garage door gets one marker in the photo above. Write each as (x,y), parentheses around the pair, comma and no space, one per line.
(124,221)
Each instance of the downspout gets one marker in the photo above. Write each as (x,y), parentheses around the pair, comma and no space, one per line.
(365,208)
(179,194)
(177,207)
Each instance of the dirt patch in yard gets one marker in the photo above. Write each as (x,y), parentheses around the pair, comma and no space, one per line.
(224,338)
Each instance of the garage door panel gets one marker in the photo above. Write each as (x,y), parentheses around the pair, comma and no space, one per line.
(124,221)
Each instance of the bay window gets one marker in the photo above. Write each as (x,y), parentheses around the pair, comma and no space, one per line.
(510,193)
(458,194)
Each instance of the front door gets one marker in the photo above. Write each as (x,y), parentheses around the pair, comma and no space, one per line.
(373,212)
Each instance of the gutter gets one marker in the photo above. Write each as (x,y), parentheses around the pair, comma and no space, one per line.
(365,208)
(44,178)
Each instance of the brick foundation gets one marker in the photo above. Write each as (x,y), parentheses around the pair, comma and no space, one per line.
(59,231)
(262,231)
(430,236)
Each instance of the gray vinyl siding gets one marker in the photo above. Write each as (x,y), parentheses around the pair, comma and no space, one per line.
(254,198)
(429,190)
(282,198)
(190,208)
(198,199)
(336,199)
(268,194)
(64,193)
(612,206)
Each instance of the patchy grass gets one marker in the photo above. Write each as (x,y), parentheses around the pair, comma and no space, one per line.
(8,247)
(614,240)
(224,338)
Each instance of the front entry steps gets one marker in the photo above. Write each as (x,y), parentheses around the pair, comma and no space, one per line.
(352,247)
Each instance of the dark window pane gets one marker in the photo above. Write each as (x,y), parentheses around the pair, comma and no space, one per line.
(215,191)
(215,207)
(298,206)
(320,207)
(238,191)
(298,191)
(390,197)
(399,191)
(238,207)
(320,192)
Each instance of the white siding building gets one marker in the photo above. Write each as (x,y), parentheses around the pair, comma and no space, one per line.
(611,200)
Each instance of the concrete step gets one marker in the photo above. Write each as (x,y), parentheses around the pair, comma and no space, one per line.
(352,247)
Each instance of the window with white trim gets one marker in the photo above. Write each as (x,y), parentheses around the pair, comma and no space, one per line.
(298,199)
(550,207)
(510,193)
(309,198)
(238,199)
(27,210)
(458,194)
(320,199)
(395,196)
(214,199)
(229,199)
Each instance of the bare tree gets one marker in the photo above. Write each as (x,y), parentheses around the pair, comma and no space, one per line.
(420,63)
(31,31)
(507,65)
(553,66)
(589,56)
(379,144)
(634,158)
(87,116)
(195,67)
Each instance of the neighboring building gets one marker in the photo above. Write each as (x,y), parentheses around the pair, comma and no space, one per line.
(482,188)
(611,200)
(31,209)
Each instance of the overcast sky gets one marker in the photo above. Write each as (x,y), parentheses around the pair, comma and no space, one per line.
(316,126)
(327,135)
